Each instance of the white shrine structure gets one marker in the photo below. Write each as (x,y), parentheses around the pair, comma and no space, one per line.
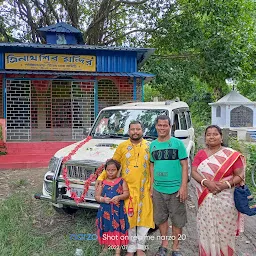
(236,112)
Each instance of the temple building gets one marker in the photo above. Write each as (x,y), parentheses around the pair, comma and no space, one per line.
(236,112)
(53,91)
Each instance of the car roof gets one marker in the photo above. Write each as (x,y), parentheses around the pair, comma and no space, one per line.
(170,105)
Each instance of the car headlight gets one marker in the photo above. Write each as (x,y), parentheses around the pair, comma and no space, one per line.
(54,164)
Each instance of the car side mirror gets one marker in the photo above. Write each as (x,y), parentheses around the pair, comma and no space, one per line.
(181,134)
(86,131)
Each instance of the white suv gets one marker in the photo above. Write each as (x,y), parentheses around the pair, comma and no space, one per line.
(110,129)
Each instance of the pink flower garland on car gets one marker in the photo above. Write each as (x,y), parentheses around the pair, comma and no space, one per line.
(87,182)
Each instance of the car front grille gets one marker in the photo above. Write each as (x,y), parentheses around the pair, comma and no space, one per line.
(81,169)
(79,172)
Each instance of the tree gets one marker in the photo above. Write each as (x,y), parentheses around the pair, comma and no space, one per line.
(210,40)
(103,22)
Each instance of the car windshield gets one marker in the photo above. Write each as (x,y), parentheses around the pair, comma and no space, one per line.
(115,123)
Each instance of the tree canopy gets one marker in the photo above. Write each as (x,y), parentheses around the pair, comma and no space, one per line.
(103,22)
(214,40)
(200,44)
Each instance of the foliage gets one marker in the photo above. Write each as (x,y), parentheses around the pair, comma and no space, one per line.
(150,93)
(172,77)
(177,80)
(248,88)
(103,22)
(237,145)
(249,151)
(218,37)
(199,136)
(200,95)
(201,44)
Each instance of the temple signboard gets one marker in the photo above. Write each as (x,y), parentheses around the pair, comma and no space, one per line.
(34,61)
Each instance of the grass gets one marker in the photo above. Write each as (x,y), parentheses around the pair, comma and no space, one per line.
(31,227)
(249,151)
(21,183)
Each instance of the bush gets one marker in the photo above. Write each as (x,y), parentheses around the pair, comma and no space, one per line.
(249,151)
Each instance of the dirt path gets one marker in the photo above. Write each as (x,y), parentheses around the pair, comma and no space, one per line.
(31,179)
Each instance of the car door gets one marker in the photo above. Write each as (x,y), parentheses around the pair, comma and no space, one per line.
(190,128)
(183,125)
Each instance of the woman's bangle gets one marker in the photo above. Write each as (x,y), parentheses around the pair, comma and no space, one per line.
(229,185)
(202,182)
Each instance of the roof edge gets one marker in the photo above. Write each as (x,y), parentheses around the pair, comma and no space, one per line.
(232,103)
(61,73)
(77,46)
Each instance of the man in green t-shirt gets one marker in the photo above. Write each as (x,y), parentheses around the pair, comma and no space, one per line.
(169,178)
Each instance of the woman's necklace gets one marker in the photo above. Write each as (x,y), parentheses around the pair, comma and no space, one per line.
(212,152)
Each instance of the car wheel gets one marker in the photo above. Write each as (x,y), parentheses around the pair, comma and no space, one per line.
(65,210)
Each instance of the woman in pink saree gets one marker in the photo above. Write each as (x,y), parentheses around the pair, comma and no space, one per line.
(217,170)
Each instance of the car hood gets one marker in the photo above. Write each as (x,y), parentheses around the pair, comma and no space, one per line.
(95,149)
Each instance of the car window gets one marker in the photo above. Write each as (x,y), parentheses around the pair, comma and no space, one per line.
(188,117)
(116,121)
(183,122)
(175,125)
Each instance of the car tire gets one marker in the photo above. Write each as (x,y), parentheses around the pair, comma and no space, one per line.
(65,210)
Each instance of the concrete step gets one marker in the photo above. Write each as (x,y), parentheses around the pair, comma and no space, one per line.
(23,155)
(22,165)
(32,151)
(35,147)
(24,161)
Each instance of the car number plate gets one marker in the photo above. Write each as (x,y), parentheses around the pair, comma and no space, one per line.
(79,191)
